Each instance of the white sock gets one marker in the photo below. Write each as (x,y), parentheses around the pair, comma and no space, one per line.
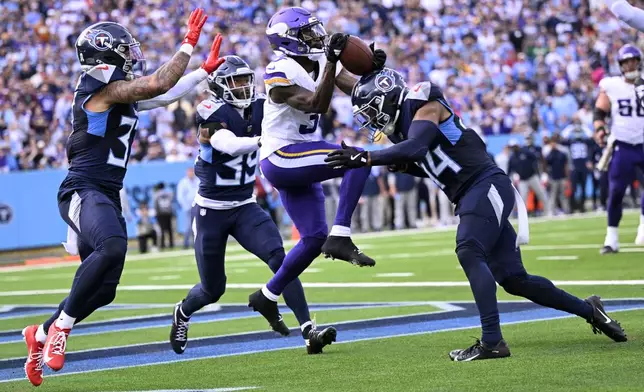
(41,335)
(612,238)
(641,220)
(306,325)
(65,321)
(340,231)
(267,293)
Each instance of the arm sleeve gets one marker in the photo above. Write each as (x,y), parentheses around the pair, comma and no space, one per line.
(183,87)
(628,14)
(420,135)
(225,141)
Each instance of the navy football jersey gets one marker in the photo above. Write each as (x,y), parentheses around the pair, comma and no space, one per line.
(224,177)
(457,156)
(99,146)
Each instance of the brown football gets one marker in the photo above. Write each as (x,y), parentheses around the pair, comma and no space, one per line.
(356,57)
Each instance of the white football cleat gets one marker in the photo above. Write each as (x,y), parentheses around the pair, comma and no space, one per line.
(639,240)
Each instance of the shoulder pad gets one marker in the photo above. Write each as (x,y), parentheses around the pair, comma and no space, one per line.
(207,108)
(608,82)
(420,91)
(281,72)
(106,73)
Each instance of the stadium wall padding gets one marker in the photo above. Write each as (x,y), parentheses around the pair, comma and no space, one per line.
(29,215)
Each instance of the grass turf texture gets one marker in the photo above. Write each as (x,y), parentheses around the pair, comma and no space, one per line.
(558,355)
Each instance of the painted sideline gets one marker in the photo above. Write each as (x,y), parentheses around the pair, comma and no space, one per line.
(328,285)
(234,248)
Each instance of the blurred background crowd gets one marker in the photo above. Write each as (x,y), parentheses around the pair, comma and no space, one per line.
(507,67)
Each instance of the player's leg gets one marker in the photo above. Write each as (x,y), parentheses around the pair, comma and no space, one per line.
(36,335)
(482,211)
(302,164)
(305,206)
(211,228)
(540,193)
(98,222)
(256,232)
(583,183)
(639,239)
(620,176)
(507,267)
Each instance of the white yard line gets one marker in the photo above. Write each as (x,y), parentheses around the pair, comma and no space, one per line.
(327,285)
(557,257)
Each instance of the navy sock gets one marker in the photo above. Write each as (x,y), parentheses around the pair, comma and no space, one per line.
(294,292)
(198,297)
(483,287)
(543,292)
(350,193)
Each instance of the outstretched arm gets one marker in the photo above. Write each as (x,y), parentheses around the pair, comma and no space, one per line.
(159,82)
(223,140)
(345,81)
(188,82)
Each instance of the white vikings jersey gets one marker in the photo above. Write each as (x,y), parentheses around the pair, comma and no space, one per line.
(627,117)
(283,125)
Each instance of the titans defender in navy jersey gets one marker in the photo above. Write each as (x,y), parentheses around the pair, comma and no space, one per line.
(230,125)
(431,141)
(106,99)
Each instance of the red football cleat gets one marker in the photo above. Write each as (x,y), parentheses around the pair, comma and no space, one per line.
(54,350)
(33,365)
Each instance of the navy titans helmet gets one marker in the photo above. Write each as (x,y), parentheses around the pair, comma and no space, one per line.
(112,44)
(376,100)
(234,82)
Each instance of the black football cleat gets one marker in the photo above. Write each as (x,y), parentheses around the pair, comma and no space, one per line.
(179,330)
(480,350)
(343,248)
(608,250)
(317,340)
(268,309)
(601,323)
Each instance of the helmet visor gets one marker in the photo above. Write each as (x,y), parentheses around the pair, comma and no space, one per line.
(313,35)
(134,59)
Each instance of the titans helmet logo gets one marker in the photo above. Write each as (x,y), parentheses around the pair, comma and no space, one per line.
(100,39)
(385,82)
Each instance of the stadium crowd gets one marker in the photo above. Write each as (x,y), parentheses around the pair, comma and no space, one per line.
(507,66)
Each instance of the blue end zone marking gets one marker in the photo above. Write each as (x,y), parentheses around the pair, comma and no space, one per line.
(260,342)
(153,321)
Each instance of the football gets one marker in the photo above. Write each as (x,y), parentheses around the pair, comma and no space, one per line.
(356,57)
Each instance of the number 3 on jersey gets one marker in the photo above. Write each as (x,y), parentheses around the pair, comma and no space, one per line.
(125,139)
(305,130)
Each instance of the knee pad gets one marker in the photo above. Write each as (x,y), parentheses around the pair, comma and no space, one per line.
(115,249)
(215,290)
(106,295)
(513,284)
(275,259)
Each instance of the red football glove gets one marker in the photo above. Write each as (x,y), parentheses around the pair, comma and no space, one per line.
(213,61)
(195,24)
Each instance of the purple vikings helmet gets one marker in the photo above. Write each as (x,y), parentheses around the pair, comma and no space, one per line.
(627,52)
(295,31)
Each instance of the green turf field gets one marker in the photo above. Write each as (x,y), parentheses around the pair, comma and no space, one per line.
(399,345)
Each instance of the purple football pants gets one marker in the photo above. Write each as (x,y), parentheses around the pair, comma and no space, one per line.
(296,171)
(621,173)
